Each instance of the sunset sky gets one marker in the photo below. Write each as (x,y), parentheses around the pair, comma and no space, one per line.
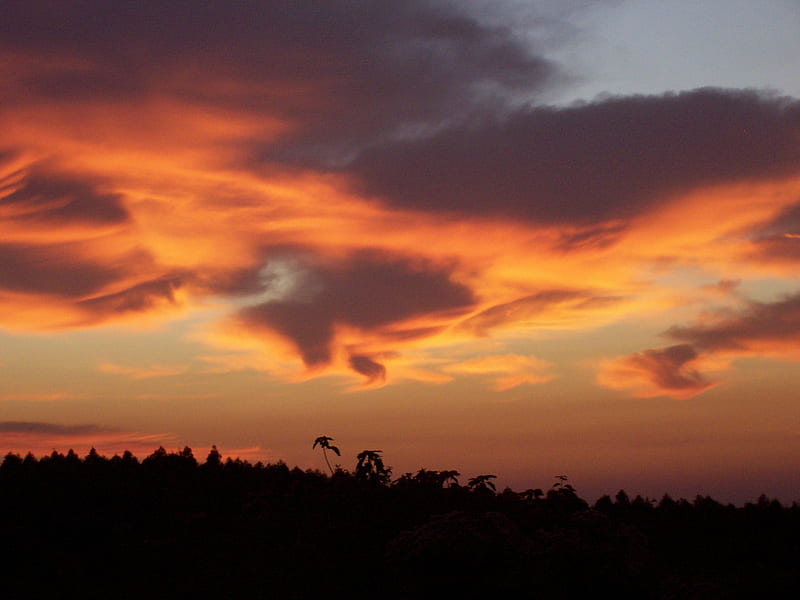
(508,237)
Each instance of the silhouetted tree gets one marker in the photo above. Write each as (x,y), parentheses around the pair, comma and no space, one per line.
(323,442)
(482,484)
(188,456)
(531,494)
(604,504)
(370,467)
(562,481)
(666,503)
(129,458)
(449,476)
(158,454)
(93,458)
(11,461)
(214,458)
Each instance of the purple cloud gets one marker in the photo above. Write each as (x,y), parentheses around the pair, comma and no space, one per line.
(589,163)
(368,291)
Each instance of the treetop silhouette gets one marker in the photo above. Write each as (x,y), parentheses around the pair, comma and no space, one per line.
(323,442)
(370,467)
(482,484)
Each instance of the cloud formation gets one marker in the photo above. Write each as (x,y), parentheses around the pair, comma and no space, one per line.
(49,428)
(36,197)
(367,291)
(353,181)
(667,371)
(756,329)
(145,372)
(778,239)
(761,327)
(55,270)
(506,371)
(592,163)
(369,368)
(42,437)
(537,310)
(341,74)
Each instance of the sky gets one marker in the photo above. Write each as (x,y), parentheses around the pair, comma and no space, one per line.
(503,237)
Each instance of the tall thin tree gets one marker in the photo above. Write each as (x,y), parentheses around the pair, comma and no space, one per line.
(324,442)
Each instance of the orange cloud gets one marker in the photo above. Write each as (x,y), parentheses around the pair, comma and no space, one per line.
(539,309)
(39,438)
(759,328)
(710,343)
(507,371)
(671,371)
(40,396)
(145,372)
(343,204)
(42,438)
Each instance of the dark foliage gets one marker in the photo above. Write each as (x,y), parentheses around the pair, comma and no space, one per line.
(168,527)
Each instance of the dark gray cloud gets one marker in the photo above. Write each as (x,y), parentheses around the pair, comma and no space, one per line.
(369,368)
(347,72)
(596,236)
(758,327)
(58,272)
(368,291)
(778,240)
(52,269)
(45,198)
(589,163)
(668,369)
(40,198)
(138,298)
(786,221)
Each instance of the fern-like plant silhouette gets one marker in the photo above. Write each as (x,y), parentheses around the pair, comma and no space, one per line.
(324,442)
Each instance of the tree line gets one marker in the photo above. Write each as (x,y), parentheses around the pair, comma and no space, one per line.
(171,526)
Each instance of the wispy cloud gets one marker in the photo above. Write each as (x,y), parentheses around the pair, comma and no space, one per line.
(42,437)
(143,372)
(40,396)
(505,371)
(755,329)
